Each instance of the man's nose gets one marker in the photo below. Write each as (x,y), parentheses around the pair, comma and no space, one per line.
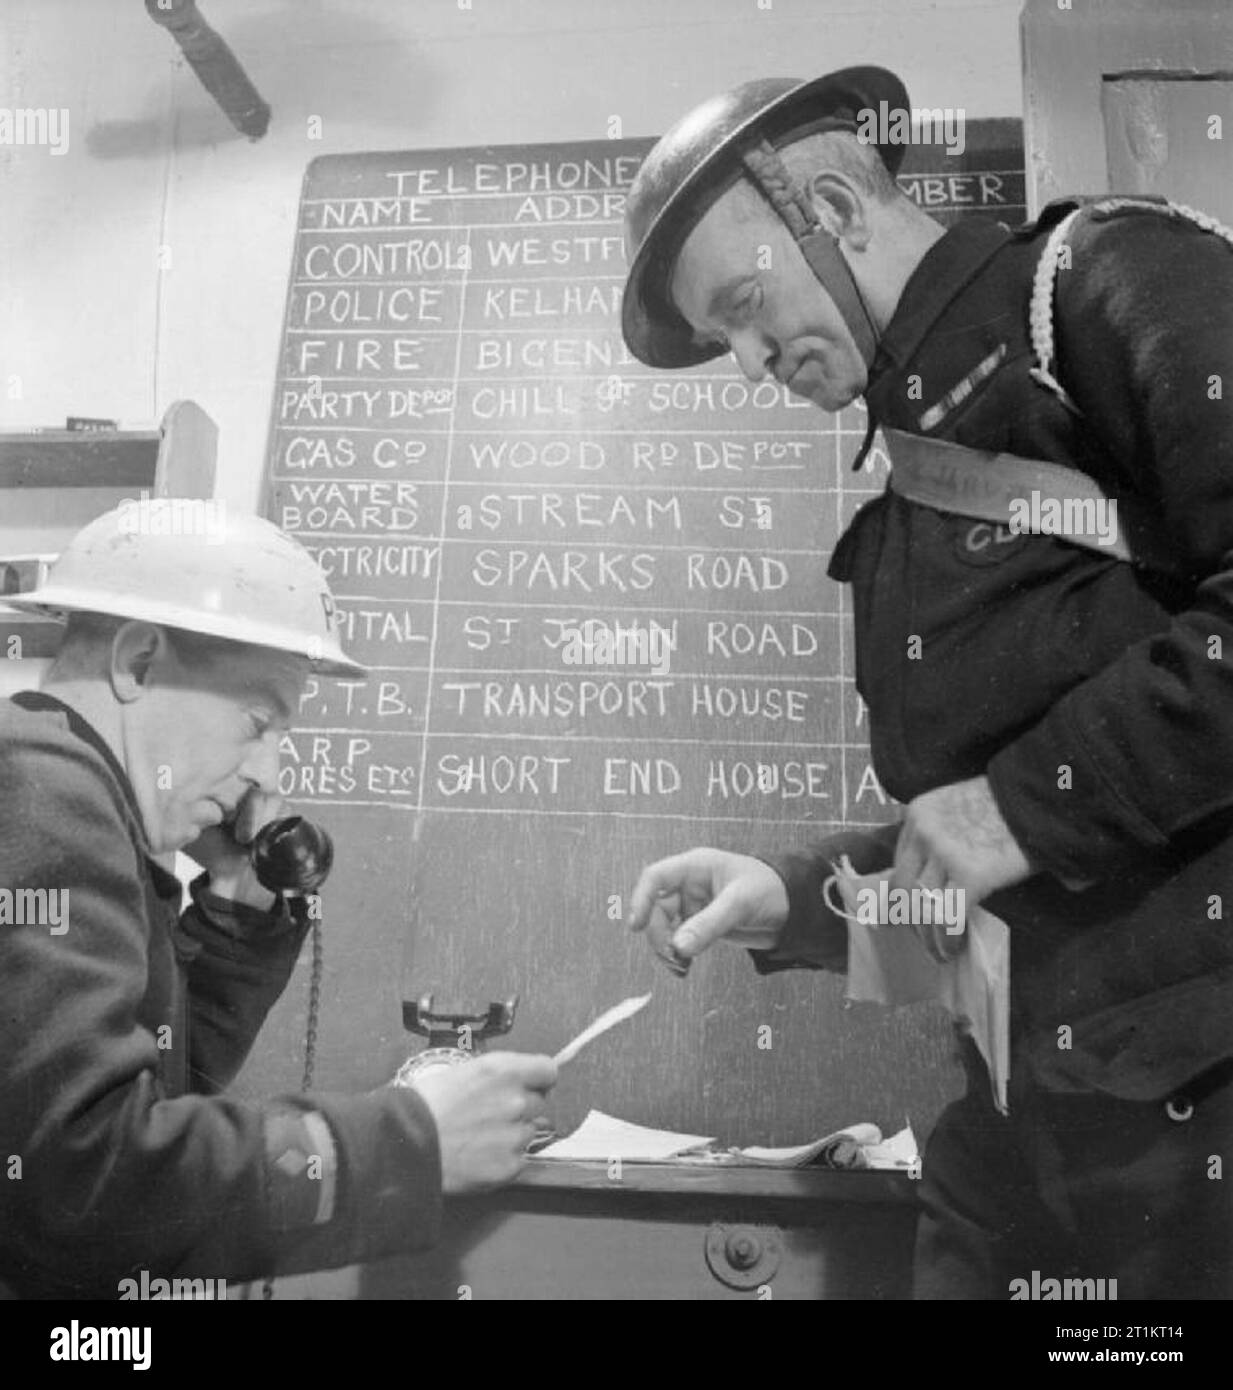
(752,354)
(261,764)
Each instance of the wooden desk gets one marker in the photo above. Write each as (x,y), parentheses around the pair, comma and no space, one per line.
(662,1231)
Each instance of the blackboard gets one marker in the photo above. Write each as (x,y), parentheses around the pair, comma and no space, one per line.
(461,439)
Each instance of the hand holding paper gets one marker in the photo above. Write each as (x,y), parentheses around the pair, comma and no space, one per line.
(956,836)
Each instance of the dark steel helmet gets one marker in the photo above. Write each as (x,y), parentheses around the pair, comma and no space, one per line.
(698,160)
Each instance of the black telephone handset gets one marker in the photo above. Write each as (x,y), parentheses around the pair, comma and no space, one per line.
(292,855)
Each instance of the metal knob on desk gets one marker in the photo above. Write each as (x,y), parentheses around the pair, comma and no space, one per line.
(743,1249)
(743,1257)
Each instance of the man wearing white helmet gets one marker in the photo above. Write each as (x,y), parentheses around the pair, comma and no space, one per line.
(157,728)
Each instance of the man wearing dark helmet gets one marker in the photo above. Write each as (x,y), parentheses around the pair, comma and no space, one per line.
(1054,712)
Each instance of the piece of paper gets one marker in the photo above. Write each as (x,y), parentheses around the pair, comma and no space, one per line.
(601,1137)
(976,991)
(899,1151)
(627,1008)
(839,1150)
(887,964)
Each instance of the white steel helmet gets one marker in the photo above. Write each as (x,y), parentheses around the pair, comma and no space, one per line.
(193,564)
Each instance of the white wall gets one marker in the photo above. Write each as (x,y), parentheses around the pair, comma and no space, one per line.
(93,326)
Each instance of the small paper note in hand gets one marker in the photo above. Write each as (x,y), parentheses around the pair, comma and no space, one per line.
(888,965)
(627,1008)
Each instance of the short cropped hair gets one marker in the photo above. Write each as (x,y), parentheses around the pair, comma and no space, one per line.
(88,637)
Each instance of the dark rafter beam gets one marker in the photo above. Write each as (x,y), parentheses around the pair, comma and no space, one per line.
(214,63)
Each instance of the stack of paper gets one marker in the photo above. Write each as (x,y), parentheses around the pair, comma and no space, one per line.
(600,1138)
(858,1146)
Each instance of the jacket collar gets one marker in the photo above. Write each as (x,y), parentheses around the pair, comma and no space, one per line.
(944,271)
(38,700)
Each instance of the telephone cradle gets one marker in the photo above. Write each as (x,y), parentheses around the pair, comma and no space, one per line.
(452,1038)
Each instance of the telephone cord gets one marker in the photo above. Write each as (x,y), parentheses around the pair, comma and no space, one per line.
(310,1043)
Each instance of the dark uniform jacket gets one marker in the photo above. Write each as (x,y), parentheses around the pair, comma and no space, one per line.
(116,1037)
(1098,698)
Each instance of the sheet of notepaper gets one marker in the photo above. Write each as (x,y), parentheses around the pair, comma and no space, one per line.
(603,1138)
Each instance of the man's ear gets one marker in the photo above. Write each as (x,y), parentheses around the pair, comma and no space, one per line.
(841,208)
(136,649)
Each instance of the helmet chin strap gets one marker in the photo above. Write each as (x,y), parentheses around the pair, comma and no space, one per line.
(819,246)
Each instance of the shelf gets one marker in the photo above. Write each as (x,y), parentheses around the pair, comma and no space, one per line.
(678,1180)
(60,480)
(69,458)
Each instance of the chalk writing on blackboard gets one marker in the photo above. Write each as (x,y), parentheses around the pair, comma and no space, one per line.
(461,439)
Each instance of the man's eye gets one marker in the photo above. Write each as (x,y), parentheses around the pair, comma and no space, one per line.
(748,304)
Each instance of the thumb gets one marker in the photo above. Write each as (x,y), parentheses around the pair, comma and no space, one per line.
(722,915)
(910,861)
